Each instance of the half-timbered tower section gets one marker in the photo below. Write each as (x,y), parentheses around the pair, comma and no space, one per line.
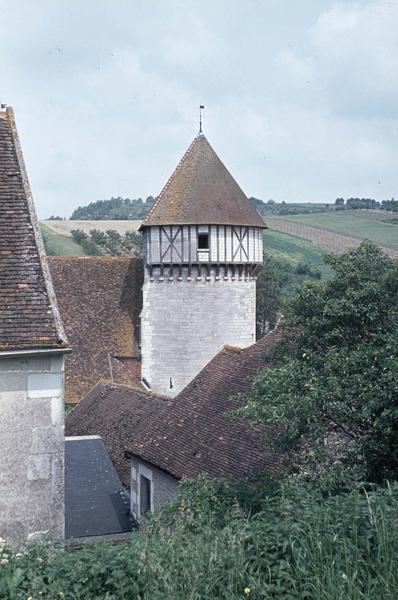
(203,244)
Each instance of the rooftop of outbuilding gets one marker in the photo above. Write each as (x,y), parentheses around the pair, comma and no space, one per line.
(202,191)
(100,301)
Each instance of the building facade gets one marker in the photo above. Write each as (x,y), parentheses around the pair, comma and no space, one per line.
(203,245)
(32,349)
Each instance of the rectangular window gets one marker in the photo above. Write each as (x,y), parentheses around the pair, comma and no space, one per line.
(145,495)
(203,241)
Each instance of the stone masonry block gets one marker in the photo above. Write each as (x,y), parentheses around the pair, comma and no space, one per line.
(39,466)
(47,440)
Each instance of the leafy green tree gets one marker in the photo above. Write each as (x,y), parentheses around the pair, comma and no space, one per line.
(268,296)
(332,391)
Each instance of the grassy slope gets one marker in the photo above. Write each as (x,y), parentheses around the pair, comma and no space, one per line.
(59,245)
(371,229)
(293,249)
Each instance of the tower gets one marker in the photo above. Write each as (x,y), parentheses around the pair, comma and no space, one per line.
(202,248)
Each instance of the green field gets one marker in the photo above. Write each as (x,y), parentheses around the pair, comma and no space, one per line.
(378,231)
(59,245)
(293,249)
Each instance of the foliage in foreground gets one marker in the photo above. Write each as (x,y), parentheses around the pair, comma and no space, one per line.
(302,544)
(332,393)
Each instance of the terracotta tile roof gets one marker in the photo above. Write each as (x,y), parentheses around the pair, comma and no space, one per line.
(189,435)
(115,413)
(100,302)
(29,317)
(196,434)
(202,191)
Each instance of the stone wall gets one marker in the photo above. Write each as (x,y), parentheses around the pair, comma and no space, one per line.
(163,486)
(31,448)
(185,321)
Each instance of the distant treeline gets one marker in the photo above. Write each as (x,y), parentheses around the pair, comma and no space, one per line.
(369,203)
(120,209)
(137,208)
(294,208)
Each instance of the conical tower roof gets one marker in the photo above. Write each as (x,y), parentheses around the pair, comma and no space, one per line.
(201,191)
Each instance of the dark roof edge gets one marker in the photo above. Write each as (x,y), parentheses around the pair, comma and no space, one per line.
(34,352)
(264,226)
(36,231)
(129,454)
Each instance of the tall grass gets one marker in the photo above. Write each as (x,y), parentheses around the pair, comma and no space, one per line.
(301,544)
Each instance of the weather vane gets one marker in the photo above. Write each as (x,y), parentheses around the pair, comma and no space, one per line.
(201,107)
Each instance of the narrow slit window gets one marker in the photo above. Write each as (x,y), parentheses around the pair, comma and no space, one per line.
(145,495)
(203,241)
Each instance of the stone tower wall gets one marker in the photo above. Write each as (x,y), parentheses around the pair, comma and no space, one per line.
(187,318)
(31,448)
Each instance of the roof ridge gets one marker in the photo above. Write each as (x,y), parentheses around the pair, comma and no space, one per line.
(170,179)
(93,258)
(132,387)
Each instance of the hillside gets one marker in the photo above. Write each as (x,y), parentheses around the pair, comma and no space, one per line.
(66,227)
(57,244)
(351,224)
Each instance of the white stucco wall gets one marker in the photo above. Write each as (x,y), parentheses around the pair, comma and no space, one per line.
(163,487)
(185,322)
(31,448)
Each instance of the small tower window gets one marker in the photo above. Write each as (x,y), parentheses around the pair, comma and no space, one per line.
(203,241)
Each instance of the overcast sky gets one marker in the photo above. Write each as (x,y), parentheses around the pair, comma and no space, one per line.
(301,96)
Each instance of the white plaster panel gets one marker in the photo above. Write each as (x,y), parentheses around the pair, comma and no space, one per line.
(45,385)
(57,411)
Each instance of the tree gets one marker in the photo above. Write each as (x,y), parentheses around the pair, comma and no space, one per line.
(268,296)
(332,391)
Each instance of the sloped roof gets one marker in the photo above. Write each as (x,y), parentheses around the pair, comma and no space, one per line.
(196,434)
(191,434)
(95,503)
(29,317)
(100,301)
(202,191)
(116,413)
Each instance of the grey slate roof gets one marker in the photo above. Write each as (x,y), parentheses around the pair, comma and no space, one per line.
(202,191)
(94,500)
(29,317)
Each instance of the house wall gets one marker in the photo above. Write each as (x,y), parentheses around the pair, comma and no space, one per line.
(186,319)
(163,487)
(31,448)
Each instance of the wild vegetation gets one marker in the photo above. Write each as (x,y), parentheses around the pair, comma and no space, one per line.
(293,542)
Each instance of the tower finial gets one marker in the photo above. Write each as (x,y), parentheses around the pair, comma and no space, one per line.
(201,107)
